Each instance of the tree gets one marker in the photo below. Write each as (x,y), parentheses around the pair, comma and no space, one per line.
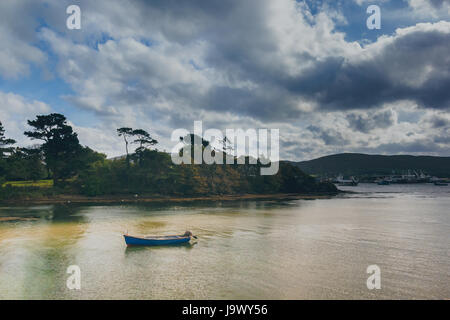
(61,146)
(5,142)
(26,164)
(126,133)
(143,138)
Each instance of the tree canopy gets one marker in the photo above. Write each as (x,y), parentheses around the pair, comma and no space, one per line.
(77,169)
(141,137)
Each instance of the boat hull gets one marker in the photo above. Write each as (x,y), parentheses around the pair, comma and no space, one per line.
(163,241)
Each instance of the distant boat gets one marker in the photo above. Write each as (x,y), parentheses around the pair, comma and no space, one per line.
(438,183)
(158,240)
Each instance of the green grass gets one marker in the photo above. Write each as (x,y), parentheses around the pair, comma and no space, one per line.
(38,183)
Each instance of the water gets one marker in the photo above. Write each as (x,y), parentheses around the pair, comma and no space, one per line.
(300,249)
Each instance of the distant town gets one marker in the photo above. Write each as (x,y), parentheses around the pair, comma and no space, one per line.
(352,168)
(411,176)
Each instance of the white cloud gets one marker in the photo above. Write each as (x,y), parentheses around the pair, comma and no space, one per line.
(17,27)
(430,8)
(15,110)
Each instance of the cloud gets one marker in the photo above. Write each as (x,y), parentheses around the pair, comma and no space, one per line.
(430,8)
(329,136)
(381,72)
(440,121)
(283,64)
(106,139)
(415,147)
(17,51)
(15,111)
(231,58)
(250,58)
(366,122)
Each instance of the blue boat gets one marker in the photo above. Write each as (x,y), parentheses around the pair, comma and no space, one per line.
(158,240)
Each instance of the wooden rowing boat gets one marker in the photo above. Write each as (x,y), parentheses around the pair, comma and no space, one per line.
(158,240)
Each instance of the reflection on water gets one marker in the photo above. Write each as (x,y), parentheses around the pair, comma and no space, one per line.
(250,249)
(138,249)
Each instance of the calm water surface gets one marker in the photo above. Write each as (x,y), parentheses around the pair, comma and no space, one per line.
(302,249)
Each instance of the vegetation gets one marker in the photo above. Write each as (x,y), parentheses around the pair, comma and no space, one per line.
(355,164)
(48,183)
(61,165)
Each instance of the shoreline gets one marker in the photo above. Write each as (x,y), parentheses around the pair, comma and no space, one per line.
(67,199)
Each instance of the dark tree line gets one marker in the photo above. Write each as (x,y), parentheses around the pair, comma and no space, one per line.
(77,169)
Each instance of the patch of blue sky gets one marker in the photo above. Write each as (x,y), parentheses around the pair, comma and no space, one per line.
(394,14)
(48,88)
(38,85)
(41,23)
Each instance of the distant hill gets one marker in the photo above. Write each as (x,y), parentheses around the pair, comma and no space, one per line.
(358,164)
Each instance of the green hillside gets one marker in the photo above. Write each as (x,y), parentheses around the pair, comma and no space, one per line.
(364,164)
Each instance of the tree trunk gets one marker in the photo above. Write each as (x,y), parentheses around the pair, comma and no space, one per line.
(126,148)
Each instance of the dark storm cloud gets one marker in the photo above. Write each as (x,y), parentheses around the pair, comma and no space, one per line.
(413,66)
(393,74)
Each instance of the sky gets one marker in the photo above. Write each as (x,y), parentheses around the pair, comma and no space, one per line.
(311,69)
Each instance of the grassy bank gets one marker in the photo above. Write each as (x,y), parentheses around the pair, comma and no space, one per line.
(38,183)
